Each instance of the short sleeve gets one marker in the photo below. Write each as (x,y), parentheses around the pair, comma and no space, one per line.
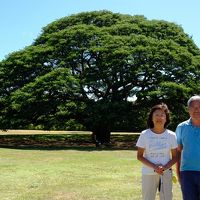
(178,135)
(174,141)
(141,141)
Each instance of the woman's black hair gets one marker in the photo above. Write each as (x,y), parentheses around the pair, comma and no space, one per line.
(161,106)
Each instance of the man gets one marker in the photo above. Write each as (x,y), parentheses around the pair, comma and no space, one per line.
(188,139)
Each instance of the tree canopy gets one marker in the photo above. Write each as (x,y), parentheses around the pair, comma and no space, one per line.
(83,69)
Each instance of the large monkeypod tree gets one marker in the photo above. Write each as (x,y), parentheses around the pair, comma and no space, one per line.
(99,71)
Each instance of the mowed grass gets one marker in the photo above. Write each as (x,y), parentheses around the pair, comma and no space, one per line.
(71,174)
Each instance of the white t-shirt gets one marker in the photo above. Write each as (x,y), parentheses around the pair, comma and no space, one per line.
(157,147)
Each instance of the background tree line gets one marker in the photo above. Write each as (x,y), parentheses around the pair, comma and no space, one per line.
(99,71)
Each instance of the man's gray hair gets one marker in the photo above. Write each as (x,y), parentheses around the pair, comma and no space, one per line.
(193,98)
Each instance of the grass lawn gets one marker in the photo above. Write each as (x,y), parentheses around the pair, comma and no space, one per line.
(83,173)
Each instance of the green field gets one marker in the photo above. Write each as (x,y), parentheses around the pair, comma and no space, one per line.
(83,173)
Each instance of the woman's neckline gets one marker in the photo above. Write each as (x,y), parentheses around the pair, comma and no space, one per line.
(158,132)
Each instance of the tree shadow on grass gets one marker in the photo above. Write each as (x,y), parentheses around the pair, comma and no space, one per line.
(75,148)
(79,142)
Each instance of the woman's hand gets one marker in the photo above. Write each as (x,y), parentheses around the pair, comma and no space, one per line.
(159,169)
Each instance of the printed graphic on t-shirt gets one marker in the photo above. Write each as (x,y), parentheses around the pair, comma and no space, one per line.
(157,149)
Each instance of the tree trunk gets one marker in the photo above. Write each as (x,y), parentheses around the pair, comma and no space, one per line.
(101,135)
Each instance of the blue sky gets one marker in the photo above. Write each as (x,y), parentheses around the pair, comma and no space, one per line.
(21,21)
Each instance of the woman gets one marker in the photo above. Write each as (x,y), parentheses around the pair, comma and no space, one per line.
(157,150)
